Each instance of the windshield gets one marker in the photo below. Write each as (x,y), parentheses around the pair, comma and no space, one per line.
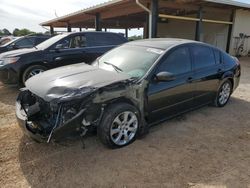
(132,60)
(50,42)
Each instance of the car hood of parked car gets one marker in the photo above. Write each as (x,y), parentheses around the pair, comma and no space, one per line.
(72,82)
(15,53)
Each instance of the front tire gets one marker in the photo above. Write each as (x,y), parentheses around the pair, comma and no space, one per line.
(32,71)
(119,126)
(223,94)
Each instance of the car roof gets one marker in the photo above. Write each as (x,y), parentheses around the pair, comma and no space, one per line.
(163,43)
(74,33)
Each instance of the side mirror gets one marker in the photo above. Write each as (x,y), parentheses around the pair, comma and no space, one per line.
(59,46)
(164,77)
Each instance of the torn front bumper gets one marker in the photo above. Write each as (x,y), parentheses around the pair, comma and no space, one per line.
(29,128)
(39,129)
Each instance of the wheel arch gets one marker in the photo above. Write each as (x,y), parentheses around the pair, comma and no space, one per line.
(228,76)
(26,66)
(123,100)
(99,108)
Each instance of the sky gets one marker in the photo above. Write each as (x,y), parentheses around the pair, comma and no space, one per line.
(30,13)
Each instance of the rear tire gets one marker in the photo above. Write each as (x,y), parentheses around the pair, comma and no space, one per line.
(119,126)
(223,94)
(32,71)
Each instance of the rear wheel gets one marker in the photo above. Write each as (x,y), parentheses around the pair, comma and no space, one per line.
(32,71)
(119,126)
(223,94)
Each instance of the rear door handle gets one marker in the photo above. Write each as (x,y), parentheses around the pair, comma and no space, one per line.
(219,70)
(190,79)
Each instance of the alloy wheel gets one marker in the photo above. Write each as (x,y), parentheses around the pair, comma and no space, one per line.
(124,128)
(224,93)
(34,72)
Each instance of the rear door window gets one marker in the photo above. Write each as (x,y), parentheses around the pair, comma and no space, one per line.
(77,41)
(26,42)
(104,39)
(217,56)
(178,62)
(228,60)
(203,56)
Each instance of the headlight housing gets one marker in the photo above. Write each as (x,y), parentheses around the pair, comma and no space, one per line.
(8,60)
(59,95)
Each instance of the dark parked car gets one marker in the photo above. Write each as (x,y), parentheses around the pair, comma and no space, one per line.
(6,39)
(64,49)
(126,90)
(28,41)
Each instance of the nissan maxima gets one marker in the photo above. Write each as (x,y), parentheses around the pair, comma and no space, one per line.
(126,90)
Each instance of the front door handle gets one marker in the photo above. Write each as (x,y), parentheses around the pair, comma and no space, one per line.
(58,58)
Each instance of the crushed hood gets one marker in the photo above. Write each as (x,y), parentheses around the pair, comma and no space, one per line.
(68,81)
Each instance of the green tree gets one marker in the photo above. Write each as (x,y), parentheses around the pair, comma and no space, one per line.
(1,33)
(15,32)
(5,32)
(22,32)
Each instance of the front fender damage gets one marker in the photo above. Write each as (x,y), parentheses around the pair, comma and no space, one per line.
(66,116)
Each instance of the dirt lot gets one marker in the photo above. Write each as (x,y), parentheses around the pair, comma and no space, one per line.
(209,147)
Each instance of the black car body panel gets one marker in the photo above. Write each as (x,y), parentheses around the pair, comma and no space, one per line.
(62,81)
(75,97)
(51,57)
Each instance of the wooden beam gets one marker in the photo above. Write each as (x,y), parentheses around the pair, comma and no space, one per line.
(194,19)
(178,17)
(217,21)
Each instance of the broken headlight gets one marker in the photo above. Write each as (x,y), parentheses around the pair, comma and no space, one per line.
(70,94)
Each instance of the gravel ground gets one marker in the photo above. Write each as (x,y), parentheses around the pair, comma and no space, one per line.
(209,147)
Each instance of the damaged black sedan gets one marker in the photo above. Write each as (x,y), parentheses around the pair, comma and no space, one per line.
(126,90)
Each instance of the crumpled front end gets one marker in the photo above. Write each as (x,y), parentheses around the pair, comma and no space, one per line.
(74,111)
(44,121)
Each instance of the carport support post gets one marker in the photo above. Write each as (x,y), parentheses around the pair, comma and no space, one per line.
(69,28)
(51,30)
(98,22)
(199,26)
(126,32)
(154,20)
(80,29)
(230,28)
